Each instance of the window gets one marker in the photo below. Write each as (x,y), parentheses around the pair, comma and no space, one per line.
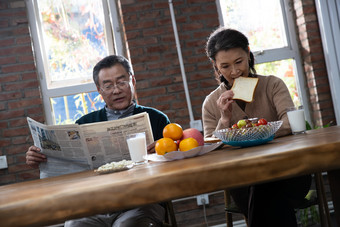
(69,38)
(329,18)
(269,26)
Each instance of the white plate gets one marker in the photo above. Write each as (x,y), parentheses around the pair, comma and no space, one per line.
(176,155)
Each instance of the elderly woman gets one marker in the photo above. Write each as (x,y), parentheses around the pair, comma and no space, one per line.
(267,204)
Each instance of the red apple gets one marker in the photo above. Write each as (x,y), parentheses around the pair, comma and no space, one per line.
(193,133)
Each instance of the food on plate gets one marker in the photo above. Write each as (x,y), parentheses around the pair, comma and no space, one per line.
(193,133)
(234,126)
(188,144)
(244,88)
(212,140)
(173,135)
(173,131)
(114,166)
(241,123)
(262,121)
(165,145)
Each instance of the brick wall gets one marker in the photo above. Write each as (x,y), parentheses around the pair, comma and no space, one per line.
(153,53)
(314,62)
(19,91)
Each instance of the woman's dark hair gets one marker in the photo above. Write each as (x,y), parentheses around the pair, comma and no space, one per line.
(226,39)
(108,62)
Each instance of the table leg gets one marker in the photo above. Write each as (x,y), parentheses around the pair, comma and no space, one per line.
(334,184)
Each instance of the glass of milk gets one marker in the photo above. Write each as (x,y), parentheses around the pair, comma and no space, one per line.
(296,117)
(137,147)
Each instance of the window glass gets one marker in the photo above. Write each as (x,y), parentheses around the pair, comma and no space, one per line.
(73,38)
(67,109)
(283,69)
(260,20)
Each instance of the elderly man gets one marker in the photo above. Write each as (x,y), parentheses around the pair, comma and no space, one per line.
(115,82)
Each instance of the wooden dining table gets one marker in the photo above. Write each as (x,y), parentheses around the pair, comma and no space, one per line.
(56,199)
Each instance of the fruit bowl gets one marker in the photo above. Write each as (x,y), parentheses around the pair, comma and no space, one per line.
(246,137)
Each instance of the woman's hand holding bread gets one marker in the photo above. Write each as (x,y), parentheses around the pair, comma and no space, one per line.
(224,104)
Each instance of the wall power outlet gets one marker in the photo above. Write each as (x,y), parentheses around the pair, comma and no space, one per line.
(3,162)
(202,199)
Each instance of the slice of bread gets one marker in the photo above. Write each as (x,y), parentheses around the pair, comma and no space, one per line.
(244,88)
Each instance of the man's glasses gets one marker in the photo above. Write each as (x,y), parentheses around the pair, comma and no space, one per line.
(111,87)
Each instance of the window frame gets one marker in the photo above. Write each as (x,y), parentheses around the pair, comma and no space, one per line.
(329,17)
(115,45)
(291,51)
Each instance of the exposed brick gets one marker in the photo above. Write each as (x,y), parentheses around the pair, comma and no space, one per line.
(26,58)
(4,142)
(7,60)
(147,75)
(158,65)
(28,175)
(7,179)
(5,115)
(165,98)
(9,78)
(18,68)
(31,93)
(143,41)
(21,85)
(18,122)
(19,139)
(24,103)
(150,92)
(17,4)
(3,5)
(147,58)
(3,23)
(10,96)
(175,88)
(23,40)
(35,111)
(136,7)
(18,21)
(17,50)
(18,168)
(29,75)
(15,132)
(161,81)
(6,42)
(162,106)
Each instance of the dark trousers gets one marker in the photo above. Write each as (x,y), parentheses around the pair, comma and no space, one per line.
(272,204)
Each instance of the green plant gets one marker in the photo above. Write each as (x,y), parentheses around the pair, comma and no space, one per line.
(309,214)
(309,127)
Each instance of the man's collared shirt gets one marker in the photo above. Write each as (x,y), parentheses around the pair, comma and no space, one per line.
(118,114)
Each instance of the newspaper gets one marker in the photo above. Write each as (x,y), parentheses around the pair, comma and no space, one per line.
(74,148)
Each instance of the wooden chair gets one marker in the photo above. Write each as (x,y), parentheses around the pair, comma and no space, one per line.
(314,197)
(170,217)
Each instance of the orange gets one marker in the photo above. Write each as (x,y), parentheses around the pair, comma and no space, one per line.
(188,144)
(173,131)
(165,145)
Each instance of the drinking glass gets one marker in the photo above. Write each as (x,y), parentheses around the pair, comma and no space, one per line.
(296,117)
(137,147)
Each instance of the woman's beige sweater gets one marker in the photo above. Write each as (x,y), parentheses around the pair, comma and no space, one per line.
(271,99)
